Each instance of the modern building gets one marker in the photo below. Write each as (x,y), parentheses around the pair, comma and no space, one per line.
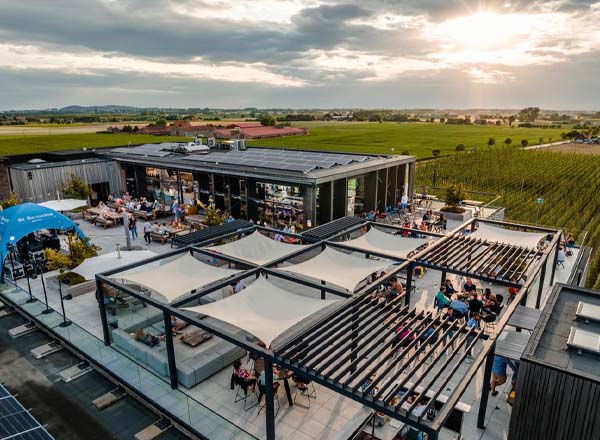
(306,188)
(42,176)
(558,384)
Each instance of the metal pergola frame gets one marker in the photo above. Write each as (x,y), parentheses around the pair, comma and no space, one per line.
(356,318)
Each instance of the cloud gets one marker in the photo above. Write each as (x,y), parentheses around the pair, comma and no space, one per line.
(297,49)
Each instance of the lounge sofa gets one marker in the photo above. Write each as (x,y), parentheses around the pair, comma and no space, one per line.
(193,364)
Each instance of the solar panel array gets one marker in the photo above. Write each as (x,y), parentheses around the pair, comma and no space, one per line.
(290,160)
(16,423)
(152,150)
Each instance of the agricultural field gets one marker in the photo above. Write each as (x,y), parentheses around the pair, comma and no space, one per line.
(419,139)
(40,144)
(569,184)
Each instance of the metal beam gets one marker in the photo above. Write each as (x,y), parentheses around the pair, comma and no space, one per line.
(170,350)
(487,376)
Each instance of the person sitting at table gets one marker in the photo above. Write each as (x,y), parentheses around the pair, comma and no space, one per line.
(262,378)
(450,290)
(441,222)
(242,373)
(148,339)
(441,301)
(423,227)
(570,240)
(419,271)
(404,336)
(155,227)
(469,287)
(459,308)
(490,302)
(162,230)
(475,304)
(427,216)
(177,325)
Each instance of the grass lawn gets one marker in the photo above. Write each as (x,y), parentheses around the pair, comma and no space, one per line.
(419,139)
(10,145)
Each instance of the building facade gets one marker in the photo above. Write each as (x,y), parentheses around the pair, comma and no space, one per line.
(305,188)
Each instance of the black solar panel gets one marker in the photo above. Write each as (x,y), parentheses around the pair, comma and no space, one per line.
(301,161)
(16,422)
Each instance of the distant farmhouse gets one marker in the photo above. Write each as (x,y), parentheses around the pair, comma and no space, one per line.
(239,130)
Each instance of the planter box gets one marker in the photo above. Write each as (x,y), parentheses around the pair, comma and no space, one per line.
(461,217)
(74,215)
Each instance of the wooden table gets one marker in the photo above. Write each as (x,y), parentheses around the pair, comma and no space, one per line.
(195,338)
(284,376)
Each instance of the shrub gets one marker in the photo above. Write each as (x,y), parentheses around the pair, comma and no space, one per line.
(57,260)
(455,193)
(405,153)
(77,189)
(10,201)
(71,278)
(436,152)
(460,147)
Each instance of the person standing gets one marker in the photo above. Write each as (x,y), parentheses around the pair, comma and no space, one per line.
(147,230)
(499,372)
(133,227)
(404,202)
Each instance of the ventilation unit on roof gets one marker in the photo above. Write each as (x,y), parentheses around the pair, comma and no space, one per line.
(195,147)
(36,160)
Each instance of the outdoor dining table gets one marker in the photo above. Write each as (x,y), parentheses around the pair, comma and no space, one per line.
(284,376)
(111,215)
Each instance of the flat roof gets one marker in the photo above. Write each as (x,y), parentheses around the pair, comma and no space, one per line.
(548,344)
(301,164)
(49,164)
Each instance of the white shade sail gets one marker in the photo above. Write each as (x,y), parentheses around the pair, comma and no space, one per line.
(508,236)
(112,260)
(339,268)
(178,277)
(256,248)
(263,309)
(64,205)
(376,240)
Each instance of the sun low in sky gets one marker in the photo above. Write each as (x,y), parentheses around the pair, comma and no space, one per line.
(300,53)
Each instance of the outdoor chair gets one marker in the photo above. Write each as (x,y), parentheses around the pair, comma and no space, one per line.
(304,387)
(489,323)
(263,392)
(243,390)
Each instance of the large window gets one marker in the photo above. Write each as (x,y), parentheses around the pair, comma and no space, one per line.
(283,205)
(162,185)
(356,195)
(189,188)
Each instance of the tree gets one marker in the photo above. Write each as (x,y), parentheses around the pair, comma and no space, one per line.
(459,148)
(455,193)
(77,189)
(127,129)
(436,152)
(529,114)
(442,120)
(511,119)
(507,141)
(524,142)
(212,215)
(405,153)
(541,140)
(491,142)
(267,120)
(161,123)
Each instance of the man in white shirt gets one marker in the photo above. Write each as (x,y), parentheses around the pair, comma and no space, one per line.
(239,286)
(404,202)
(147,230)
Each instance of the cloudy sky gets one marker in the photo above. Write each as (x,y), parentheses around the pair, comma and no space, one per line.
(300,53)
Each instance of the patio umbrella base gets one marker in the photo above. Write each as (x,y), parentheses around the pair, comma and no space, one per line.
(65,324)
(47,311)
(31,300)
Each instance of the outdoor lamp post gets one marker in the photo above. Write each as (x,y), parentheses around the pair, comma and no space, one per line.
(67,297)
(39,266)
(28,270)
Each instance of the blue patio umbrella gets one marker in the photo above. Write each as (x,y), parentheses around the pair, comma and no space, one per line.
(18,221)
